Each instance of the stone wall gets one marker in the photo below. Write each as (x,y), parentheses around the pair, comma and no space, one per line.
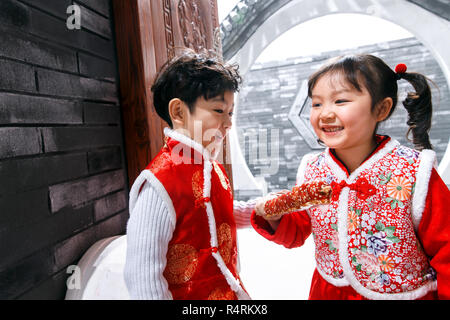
(63,183)
(269,92)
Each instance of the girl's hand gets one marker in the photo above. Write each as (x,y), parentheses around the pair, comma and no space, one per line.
(260,204)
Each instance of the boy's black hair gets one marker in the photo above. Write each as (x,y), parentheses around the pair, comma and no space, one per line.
(381,82)
(192,75)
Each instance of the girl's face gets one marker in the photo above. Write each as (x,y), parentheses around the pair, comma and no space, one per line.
(341,115)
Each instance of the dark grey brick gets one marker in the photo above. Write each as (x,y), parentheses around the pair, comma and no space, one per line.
(113,226)
(77,193)
(15,212)
(67,138)
(17,243)
(70,251)
(19,175)
(14,13)
(97,68)
(67,85)
(110,205)
(16,142)
(95,113)
(101,6)
(102,160)
(53,288)
(16,76)
(55,29)
(15,108)
(95,22)
(56,7)
(23,47)
(25,274)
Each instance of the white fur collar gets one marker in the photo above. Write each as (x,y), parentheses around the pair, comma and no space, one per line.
(178,136)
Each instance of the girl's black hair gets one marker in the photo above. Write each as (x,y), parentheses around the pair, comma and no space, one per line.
(190,76)
(381,82)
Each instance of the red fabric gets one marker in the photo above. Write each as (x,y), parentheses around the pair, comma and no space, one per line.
(323,290)
(192,272)
(433,232)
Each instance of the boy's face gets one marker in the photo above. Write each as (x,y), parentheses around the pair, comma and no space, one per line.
(210,121)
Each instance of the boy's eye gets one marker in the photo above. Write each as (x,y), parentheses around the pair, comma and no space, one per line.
(340,101)
(230,114)
(218,110)
(316,105)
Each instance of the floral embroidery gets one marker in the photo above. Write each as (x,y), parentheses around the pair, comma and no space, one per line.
(222,293)
(223,179)
(399,188)
(333,243)
(386,263)
(407,153)
(225,242)
(354,220)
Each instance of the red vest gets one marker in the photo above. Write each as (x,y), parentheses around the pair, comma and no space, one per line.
(202,254)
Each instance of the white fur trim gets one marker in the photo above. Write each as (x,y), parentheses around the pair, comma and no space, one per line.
(148,176)
(348,271)
(231,280)
(187,141)
(427,160)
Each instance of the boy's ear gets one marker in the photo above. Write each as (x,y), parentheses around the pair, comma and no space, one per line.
(177,112)
(384,108)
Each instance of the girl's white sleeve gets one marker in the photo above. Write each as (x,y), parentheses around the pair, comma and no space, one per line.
(242,212)
(149,231)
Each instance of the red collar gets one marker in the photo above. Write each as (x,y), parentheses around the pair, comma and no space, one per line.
(380,140)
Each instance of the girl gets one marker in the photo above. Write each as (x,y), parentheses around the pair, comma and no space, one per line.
(386,232)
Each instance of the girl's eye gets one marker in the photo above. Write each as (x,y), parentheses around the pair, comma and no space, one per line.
(218,110)
(316,105)
(340,101)
(230,114)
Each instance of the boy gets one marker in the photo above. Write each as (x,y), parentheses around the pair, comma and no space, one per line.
(182,229)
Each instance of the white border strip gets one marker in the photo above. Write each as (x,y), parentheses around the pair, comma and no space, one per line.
(427,159)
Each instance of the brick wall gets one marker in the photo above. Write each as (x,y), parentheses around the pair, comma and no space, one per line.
(270,89)
(63,183)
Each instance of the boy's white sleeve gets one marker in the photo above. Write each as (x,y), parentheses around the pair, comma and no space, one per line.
(149,231)
(242,212)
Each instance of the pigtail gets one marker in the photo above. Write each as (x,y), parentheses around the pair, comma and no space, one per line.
(419,107)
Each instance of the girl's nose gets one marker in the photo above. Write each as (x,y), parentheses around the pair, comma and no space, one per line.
(327,113)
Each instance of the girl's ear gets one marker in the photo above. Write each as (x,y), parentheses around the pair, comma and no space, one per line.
(384,108)
(177,112)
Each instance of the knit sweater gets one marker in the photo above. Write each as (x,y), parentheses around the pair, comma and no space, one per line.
(149,231)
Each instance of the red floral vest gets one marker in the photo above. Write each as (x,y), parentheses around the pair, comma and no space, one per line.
(366,236)
(202,253)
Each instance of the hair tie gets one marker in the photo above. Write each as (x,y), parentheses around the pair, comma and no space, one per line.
(400,69)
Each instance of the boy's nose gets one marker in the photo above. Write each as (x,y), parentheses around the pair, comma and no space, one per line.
(227,123)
